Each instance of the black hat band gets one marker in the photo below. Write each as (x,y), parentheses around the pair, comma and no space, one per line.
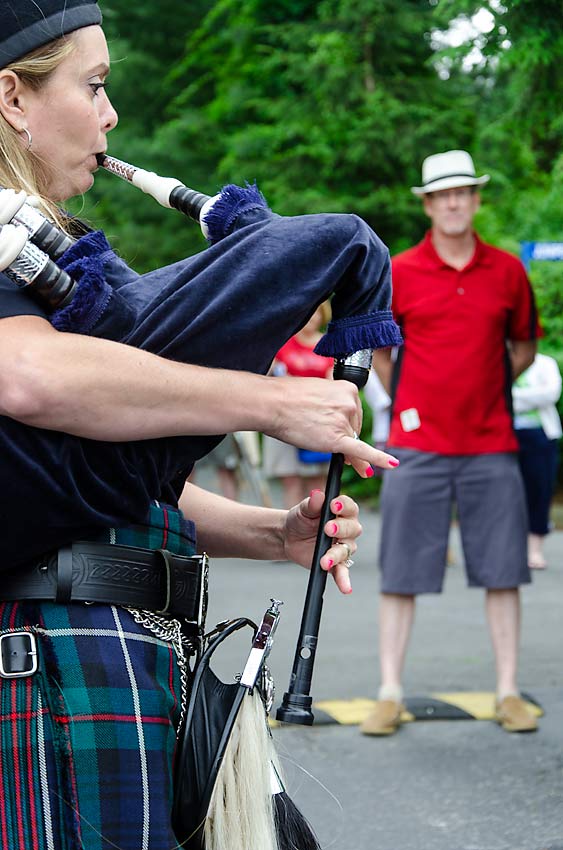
(45,28)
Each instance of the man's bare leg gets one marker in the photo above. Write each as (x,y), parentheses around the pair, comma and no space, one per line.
(503,615)
(396,617)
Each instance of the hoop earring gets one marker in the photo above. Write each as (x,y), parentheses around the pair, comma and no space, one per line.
(29,139)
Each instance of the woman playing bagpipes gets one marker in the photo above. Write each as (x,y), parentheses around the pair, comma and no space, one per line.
(105,405)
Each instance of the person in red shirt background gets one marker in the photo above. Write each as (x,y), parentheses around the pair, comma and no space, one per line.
(467,313)
(299,472)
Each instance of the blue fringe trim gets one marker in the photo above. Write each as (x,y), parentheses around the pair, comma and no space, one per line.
(90,301)
(354,333)
(90,245)
(84,261)
(231,203)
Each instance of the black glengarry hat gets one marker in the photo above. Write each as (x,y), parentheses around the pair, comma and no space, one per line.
(28,24)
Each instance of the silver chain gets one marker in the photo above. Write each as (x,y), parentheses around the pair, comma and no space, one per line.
(170,631)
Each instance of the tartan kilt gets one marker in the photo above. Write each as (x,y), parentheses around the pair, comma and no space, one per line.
(87,742)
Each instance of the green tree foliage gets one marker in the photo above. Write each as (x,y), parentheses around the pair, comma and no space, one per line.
(329,106)
(520,133)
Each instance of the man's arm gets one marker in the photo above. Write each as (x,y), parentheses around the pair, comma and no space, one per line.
(522,353)
(383,366)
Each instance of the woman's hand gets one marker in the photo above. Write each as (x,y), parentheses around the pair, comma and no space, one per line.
(324,416)
(300,534)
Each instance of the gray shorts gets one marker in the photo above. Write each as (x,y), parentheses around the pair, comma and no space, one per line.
(416,512)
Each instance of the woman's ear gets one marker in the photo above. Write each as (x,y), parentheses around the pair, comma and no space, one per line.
(11,100)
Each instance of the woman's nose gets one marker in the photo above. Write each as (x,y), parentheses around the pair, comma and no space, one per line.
(109,115)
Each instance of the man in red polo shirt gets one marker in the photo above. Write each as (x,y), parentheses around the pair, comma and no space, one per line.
(469,323)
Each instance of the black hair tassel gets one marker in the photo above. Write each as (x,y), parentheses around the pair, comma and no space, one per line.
(292,827)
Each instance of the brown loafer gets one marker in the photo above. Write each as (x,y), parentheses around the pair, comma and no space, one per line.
(385,718)
(514,716)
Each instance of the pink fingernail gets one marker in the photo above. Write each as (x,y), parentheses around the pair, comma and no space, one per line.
(338,506)
(394,462)
(315,491)
(330,563)
(369,472)
(334,528)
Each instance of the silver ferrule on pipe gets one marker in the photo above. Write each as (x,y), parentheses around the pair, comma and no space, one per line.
(362,359)
(30,218)
(27,266)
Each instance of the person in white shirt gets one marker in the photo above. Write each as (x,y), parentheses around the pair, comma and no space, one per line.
(538,428)
(380,403)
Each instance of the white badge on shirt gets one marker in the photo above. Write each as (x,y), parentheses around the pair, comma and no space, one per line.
(410,420)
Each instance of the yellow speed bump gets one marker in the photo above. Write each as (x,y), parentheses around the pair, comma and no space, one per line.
(463,705)
(347,712)
(480,705)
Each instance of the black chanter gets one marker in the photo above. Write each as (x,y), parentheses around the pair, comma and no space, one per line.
(296,704)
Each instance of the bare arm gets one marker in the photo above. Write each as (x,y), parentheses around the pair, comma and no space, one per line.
(383,367)
(108,391)
(230,529)
(522,353)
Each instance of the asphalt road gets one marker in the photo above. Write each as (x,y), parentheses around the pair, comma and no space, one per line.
(437,784)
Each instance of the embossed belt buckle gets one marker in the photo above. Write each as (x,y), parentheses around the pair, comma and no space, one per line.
(18,655)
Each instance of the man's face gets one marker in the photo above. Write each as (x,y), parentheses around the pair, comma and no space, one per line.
(452,210)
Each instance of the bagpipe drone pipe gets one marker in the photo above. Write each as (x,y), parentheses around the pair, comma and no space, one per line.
(232,306)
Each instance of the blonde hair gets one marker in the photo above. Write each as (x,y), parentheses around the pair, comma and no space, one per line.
(21,168)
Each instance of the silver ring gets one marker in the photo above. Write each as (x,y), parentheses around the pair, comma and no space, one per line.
(348,548)
(348,562)
(355,435)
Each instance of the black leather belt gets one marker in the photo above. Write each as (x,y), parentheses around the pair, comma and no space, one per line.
(155,580)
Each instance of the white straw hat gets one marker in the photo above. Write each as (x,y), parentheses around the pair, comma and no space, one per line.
(447,171)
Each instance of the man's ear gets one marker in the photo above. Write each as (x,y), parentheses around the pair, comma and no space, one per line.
(12,100)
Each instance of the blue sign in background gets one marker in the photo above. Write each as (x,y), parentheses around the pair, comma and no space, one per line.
(540,251)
